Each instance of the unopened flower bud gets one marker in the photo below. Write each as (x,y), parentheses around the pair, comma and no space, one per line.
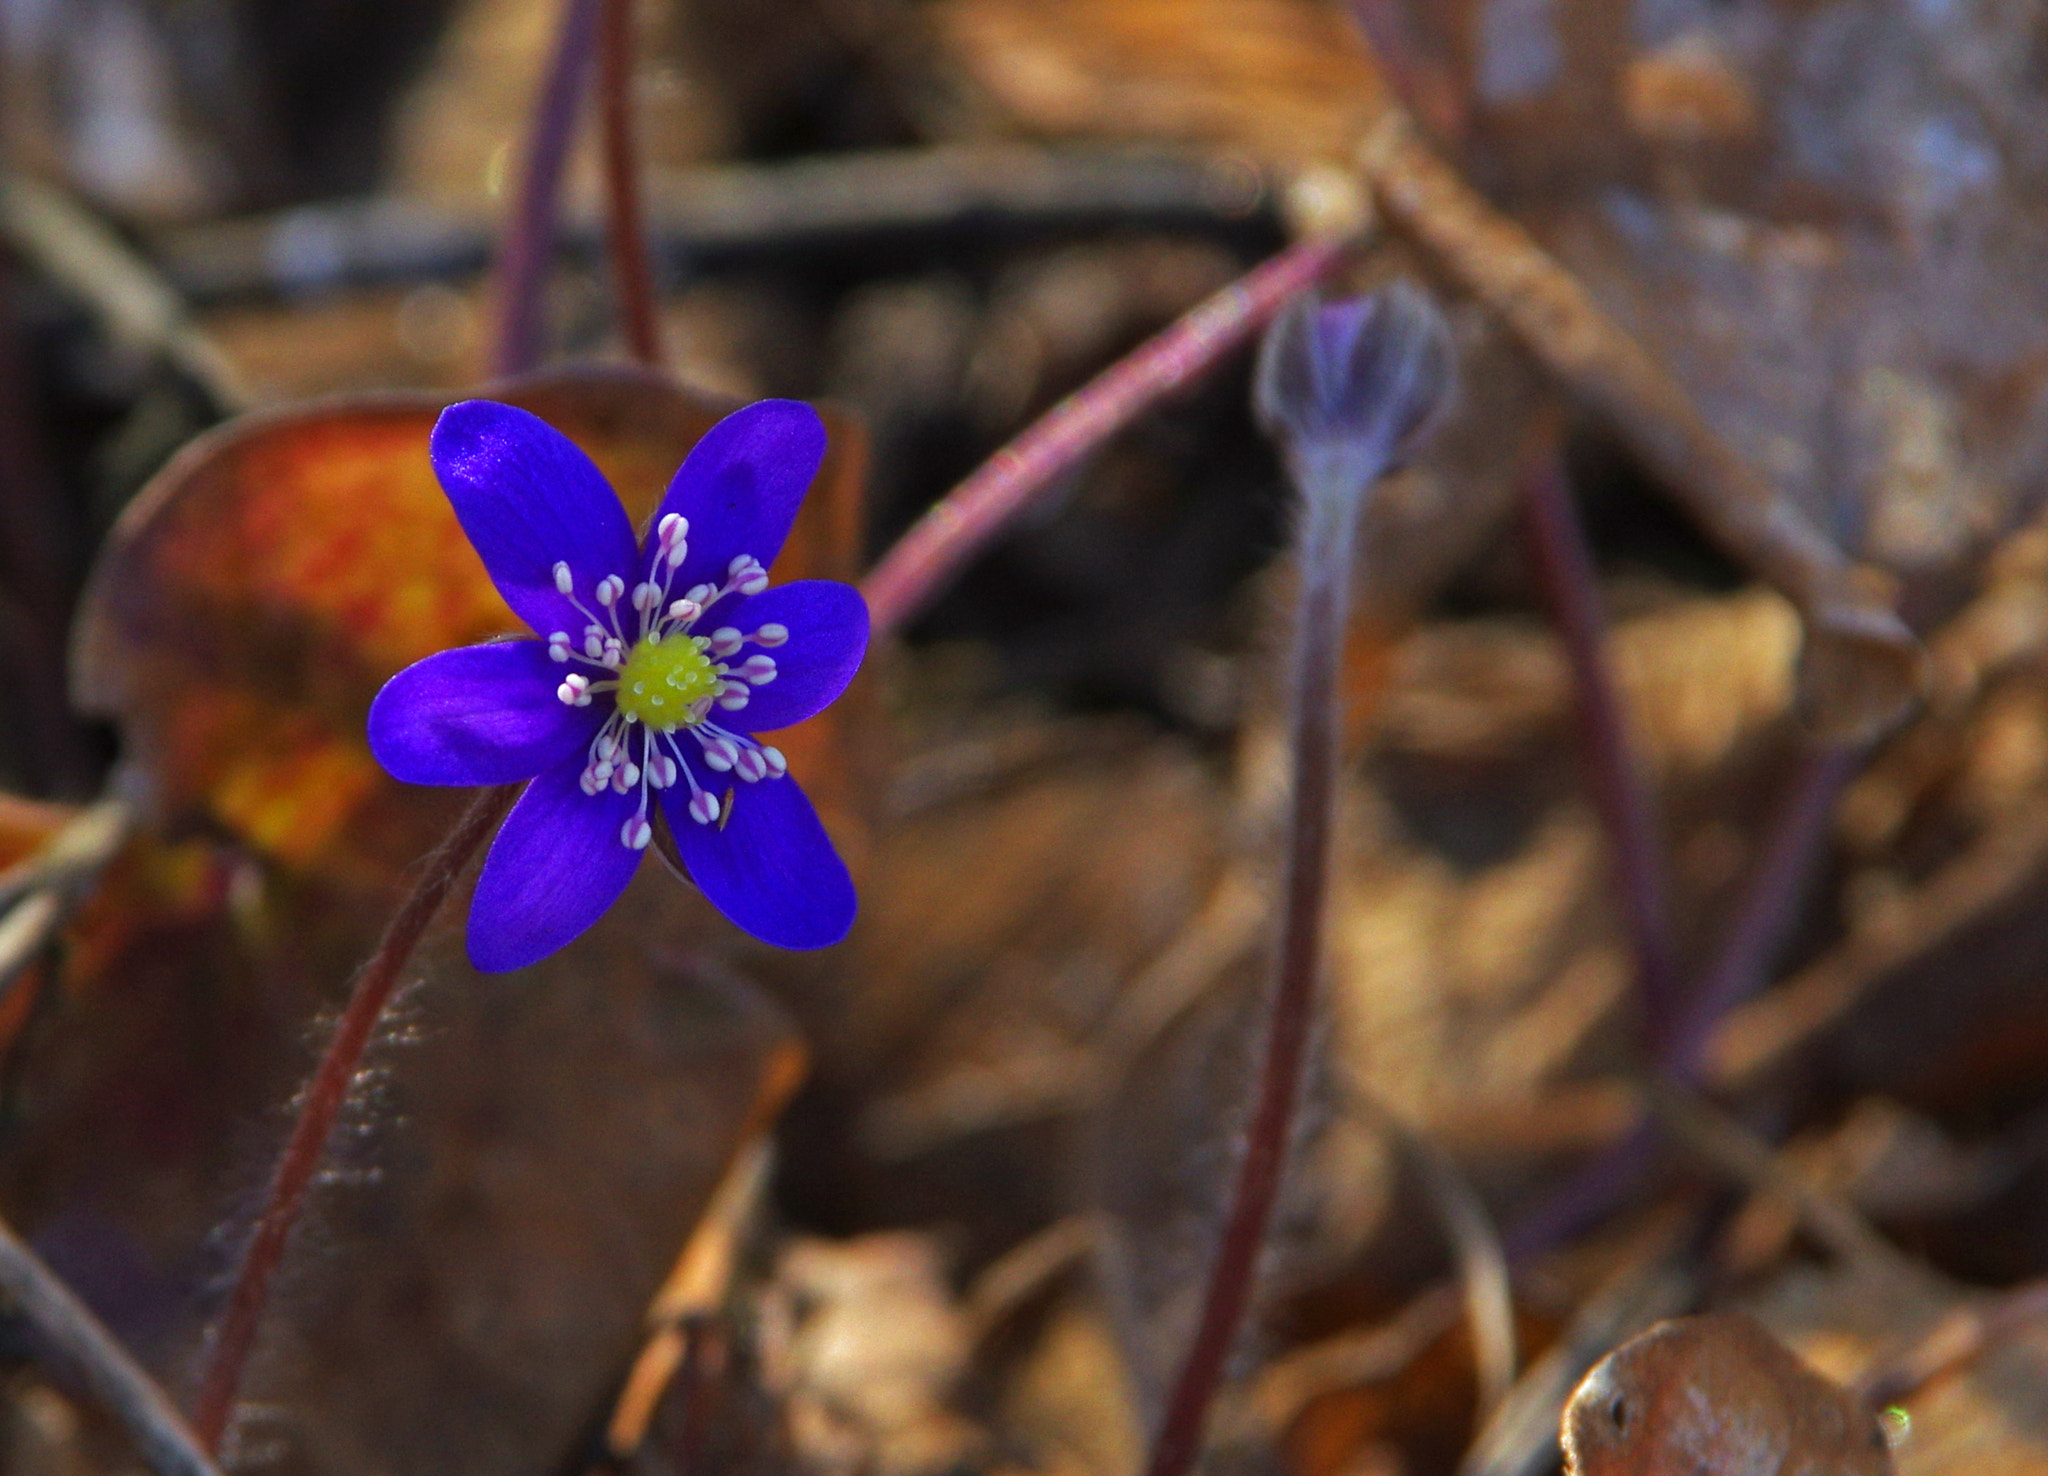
(1347,387)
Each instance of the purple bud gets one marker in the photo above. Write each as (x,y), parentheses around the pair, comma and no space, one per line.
(1347,387)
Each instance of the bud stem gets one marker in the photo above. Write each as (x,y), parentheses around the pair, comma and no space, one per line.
(1326,538)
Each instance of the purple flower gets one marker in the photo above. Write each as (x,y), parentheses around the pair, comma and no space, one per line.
(658,664)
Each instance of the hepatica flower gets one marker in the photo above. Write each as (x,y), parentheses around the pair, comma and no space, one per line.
(655,667)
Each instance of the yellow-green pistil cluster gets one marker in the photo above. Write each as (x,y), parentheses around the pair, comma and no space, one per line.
(665,683)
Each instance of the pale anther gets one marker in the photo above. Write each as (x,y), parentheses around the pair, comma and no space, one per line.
(777,764)
(725,640)
(760,670)
(636,833)
(684,610)
(771,635)
(752,767)
(704,807)
(563,583)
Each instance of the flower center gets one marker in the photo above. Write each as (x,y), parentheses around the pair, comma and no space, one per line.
(664,678)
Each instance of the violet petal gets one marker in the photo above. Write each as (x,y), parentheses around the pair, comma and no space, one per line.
(741,486)
(770,868)
(478,715)
(828,635)
(528,498)
(556,865)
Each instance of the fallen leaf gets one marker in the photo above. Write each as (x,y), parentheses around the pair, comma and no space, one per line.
(1716,1394)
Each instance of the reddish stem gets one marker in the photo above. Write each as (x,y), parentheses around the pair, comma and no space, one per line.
(961,523)
(1318,652)
(321,1105)
(1564,572)
(632,272)
(1793,845)
(530,239)
(1755,932)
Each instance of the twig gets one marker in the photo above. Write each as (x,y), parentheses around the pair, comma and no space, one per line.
(1614,771)
(736,211)
(1862,666)
(960,524)
(1285,1387)
(1958,1340)
(1482,1263)
(529,246)
(321,1105)
(78,1337)
(692,1296)
(632,273)
(1741,966)
(1728,1145)
(70,246)
(1753,937)
(1023,1271)
(1756,1037)
(50,883)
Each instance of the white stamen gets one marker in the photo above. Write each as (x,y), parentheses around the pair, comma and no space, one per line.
(574,691)
(558,646)
(607,746)
(725,640)
(661,771)
(563,583)
(702,595)
(609,589)
(646,596)
(685,611)
(704,807)
(721,754)
(619,784)
(593,647)
(753,581)
(771,635)
(760,670)
(777,764)
(751,766)
(602,771)
(636,833)
(733,696)
(589,782)
(671,527)
(630,773)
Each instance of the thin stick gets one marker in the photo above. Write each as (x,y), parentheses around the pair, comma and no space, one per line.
(1791,854)
(1958,1340)
(1318,651)
(69,1328)
(530,240)
(1756,931)
(321,1105)
(625,227)
(1614,771)
(927,557)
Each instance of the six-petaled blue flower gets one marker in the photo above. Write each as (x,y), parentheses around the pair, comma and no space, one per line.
(657,665)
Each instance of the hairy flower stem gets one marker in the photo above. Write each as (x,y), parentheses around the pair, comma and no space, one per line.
(319,1107)
(927,557)
(1614,771)
(529,247)
(1325,566)
(632,272)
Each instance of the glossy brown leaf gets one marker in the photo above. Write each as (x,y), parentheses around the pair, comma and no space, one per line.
(1716,1393)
